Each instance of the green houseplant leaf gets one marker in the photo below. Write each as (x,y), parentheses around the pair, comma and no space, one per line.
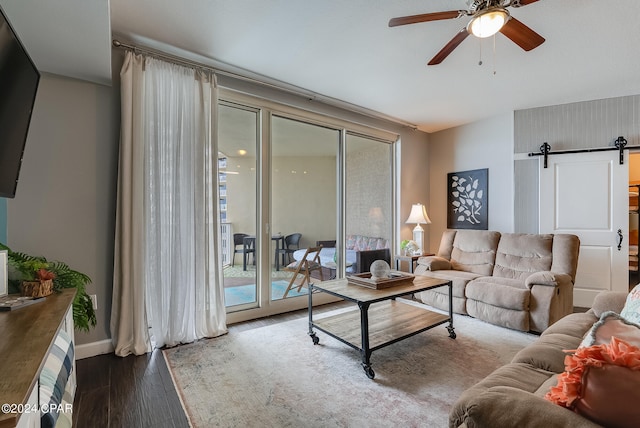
(26,267)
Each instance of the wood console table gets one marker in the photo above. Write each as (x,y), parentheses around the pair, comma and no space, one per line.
(27,336)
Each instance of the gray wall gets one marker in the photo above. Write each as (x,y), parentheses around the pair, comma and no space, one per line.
(583,125)
(483,144)
(65,200)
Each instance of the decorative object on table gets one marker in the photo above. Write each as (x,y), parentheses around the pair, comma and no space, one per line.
(468,199)
(393,279)
(3,272)
(418,215)
(380,269)
(40,287)
(13,302)
(410,248)
(24,267)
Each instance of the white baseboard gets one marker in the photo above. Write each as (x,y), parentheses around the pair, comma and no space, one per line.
(92,349)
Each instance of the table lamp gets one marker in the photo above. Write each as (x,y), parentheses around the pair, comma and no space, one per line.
(418,215)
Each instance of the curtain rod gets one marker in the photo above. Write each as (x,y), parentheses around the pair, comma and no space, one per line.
(291,89)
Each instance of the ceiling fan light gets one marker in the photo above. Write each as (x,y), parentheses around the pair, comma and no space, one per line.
(488,22)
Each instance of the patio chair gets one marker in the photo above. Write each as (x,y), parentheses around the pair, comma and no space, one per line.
(308,263)
(291,244)
(245,250)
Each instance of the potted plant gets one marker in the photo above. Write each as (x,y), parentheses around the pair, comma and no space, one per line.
(37,269)
(403,246)
(408,247)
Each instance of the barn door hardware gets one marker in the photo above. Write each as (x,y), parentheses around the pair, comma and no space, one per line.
(620,145)
(619,239)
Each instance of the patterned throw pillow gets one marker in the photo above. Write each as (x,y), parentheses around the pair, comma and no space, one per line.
(610,325)
(631,310)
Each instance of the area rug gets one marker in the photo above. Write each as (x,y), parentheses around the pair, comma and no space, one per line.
(275,377)
(247,293)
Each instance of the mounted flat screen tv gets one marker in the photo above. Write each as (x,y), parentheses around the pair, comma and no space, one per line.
(19,79)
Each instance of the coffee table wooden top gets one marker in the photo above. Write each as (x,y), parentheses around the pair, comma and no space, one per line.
(357,293)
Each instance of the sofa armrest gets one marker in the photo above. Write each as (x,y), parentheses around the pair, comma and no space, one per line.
(551,279)
(434,263)
(364,259)
(504,406)
(608,301)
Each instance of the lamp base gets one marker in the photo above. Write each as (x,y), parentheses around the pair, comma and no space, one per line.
(418,237)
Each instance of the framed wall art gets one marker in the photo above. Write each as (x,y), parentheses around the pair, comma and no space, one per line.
(468,199)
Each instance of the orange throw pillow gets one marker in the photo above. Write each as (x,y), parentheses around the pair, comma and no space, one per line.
(601,383)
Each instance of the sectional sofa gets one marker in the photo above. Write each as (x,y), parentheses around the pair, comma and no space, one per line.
(516,394)
(520,281)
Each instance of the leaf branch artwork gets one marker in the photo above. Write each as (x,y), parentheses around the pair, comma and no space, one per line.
(467,199)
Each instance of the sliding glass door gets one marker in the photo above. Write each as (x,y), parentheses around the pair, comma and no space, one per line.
(237,182)
(304,165)
(369,198)
(290,181)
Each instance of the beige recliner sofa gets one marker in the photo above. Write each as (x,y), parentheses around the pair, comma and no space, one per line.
(520,281)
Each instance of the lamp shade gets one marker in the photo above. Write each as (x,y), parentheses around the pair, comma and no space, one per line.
(418,215)
(488,22)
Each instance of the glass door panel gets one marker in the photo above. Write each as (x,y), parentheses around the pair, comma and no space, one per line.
(304,198)
(368,198)
(237,163)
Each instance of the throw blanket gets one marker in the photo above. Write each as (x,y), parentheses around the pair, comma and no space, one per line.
(53,383)
(327,257)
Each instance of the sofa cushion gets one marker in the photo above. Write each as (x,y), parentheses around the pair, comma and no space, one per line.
(547,353)
(521,377)
(475,251)
(608,301)
(566,248)
(511,318)
(458,279)
(574,325)
(446,244)
(441,301)
(434,263)
(500,292)
(518,255)
(503,406)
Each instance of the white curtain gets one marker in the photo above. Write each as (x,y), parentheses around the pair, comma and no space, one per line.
(168,285)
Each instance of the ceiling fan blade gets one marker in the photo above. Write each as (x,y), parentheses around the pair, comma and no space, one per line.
(521,35)
(414,19)
(523,3)
(449,47)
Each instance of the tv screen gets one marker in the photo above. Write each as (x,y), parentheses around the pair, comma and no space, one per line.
(18,85)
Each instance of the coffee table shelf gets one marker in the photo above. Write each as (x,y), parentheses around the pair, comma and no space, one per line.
(380,319)
(389,322)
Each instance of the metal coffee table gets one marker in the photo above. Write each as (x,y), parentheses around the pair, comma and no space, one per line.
(380,319)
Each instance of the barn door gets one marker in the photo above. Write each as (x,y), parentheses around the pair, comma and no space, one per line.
(586,194)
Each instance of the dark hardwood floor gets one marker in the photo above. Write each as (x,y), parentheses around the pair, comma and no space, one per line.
(137,391)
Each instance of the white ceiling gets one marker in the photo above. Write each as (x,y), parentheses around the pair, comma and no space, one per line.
(345,50)
(66,37)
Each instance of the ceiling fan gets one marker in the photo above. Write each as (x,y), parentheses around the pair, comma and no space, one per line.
(488,17)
